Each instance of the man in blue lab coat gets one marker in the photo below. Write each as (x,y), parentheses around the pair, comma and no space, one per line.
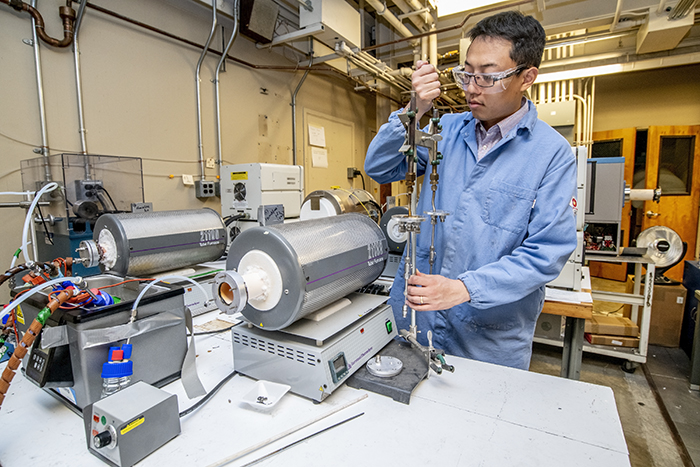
(509,182)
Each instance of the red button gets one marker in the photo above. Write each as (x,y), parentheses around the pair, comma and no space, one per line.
(362,331)
(94,433)
(96,418)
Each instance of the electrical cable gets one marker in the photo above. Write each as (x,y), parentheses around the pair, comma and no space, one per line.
(101,188)
(231,219)
(23,347)
(43,222)
(19,301)
(363,180)
(208,395)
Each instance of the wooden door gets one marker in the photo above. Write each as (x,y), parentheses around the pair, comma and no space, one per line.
(673,163)
(627,137)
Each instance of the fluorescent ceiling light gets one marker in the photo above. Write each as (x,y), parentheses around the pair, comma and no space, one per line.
(580,73)
(450,7)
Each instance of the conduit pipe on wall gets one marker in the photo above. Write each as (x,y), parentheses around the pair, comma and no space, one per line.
(66,13)
(79,82)
(234,33)
(294,102)
(199,91)
(40,94)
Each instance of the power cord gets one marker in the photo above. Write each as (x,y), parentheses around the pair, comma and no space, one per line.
(208,396)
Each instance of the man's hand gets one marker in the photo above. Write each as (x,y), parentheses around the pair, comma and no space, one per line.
(428,292)
(426,83)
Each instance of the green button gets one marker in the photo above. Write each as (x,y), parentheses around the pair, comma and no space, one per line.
(389,327)
(104,420)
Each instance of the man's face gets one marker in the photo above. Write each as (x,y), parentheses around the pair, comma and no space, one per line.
(492,55)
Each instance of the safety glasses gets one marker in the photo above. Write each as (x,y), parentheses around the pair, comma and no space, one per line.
(487,81)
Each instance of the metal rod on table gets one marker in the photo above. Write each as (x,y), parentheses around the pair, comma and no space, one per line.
(279,436)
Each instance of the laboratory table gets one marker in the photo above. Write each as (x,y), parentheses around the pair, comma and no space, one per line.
(482,414)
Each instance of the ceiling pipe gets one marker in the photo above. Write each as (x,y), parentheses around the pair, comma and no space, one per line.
(199,91)
(66,13)
(396,23)
(415,19)
(616,18)
(234,33)
(447,29)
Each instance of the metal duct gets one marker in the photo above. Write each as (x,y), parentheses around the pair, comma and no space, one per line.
(141,244)
(279,274)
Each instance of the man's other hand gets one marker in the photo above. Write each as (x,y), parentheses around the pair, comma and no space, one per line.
(429,292)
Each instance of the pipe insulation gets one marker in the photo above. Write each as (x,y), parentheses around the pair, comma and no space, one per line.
(279,274)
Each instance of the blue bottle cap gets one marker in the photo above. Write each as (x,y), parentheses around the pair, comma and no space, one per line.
(117,369)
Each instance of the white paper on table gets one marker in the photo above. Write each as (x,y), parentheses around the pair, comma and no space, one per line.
(319,157)
(567,296)
(317,136)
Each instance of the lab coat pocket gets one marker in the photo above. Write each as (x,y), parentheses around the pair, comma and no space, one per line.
(508,206)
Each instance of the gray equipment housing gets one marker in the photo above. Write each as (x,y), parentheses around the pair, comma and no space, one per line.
(138,420)
(312,371)
(158,350)
(314,270)
(151,242)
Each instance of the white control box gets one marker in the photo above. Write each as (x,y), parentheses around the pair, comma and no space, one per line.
(245,187)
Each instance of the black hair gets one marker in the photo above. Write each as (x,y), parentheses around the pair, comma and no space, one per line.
(525,33)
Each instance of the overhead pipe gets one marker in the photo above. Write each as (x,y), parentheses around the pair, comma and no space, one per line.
(66,13)
(199,91)
(79,82)
(447,29)
(616,18)
(415,19)
(40,94)
(384,12)
(234,33)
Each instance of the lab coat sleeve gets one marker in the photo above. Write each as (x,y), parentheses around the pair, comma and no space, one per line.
(550,240)
(384,163)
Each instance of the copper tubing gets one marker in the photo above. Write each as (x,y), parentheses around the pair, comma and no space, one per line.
(21,350)
(66,13)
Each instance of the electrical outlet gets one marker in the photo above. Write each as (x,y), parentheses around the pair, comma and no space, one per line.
(205,189)
(187,180)
(352,171)
(211,164)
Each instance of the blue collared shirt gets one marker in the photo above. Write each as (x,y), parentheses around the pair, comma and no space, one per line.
(510,230)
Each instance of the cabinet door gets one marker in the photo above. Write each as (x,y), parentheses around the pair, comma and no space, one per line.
(616,143)
(673,163)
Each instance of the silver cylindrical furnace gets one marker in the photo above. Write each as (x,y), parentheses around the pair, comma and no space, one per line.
(281,273)
(141,244)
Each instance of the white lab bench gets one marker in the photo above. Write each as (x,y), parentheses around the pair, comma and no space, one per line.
(481,415)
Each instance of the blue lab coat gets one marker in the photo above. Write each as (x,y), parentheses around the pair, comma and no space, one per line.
(510,230)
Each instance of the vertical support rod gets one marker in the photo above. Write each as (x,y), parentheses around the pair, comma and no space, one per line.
(79,84)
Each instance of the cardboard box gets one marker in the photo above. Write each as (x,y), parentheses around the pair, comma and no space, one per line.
(616,341)
(666,313)
(611,326)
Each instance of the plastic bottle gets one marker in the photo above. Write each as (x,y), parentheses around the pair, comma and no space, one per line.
(117,371)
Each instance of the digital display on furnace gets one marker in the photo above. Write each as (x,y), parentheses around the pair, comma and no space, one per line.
(339,367)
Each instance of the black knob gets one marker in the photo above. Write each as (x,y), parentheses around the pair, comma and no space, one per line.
(102,439)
